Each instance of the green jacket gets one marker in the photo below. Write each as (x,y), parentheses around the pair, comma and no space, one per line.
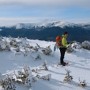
(64,41)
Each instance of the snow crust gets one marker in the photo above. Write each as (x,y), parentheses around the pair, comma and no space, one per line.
(79,64)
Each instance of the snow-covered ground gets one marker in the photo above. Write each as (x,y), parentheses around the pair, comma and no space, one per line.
(79,65)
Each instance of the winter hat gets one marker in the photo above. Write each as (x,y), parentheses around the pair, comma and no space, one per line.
(65,33)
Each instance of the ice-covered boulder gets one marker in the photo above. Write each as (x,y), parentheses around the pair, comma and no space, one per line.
(76,45)
(86,45)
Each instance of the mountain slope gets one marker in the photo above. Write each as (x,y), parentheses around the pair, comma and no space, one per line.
(79,61)
(50,24)
(48,30)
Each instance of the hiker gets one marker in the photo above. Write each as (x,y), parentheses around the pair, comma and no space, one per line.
(62,45)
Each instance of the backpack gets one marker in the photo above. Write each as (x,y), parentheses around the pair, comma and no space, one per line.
(59,41)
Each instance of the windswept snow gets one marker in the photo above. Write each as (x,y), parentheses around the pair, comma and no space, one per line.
(79,65)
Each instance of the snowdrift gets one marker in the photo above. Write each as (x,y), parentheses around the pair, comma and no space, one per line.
(33,65)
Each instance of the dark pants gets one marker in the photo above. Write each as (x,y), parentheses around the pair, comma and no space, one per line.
(62,51)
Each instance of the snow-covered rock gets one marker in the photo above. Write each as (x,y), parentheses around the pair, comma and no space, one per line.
(76,45)
(86,45)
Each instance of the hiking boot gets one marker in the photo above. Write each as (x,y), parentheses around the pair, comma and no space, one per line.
(63,64)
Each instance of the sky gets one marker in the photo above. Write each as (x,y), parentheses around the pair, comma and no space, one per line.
(26,11)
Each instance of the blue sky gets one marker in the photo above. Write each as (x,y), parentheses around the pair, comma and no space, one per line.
(77,11)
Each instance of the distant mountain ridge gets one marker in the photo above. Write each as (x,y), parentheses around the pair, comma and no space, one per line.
(48,30)
(49,24)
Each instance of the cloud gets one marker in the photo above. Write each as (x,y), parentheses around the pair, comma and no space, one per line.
(64,3)
(9,21)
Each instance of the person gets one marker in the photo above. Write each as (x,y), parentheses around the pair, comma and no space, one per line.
(63,48)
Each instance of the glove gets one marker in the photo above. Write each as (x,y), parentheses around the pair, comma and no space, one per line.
(68,45)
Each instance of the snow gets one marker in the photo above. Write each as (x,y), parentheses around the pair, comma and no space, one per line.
(79,65)
(50,23)
(24,25)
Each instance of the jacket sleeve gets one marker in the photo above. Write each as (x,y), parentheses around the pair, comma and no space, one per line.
(64,42)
